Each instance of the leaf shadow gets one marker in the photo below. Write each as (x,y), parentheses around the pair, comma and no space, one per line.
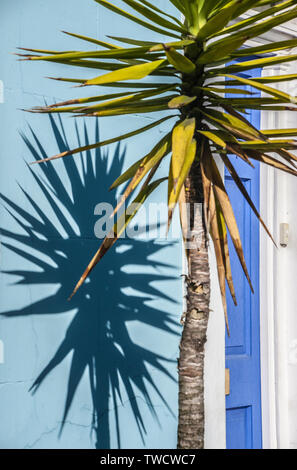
(98,336)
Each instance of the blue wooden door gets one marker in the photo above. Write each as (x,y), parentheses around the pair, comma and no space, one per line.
(243,404)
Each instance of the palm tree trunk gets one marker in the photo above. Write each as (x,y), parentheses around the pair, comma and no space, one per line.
(191,360)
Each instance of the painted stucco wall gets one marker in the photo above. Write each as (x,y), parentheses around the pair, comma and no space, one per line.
(109,356)
(286,293)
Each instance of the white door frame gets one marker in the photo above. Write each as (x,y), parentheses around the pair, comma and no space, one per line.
(273,263)
(274,298)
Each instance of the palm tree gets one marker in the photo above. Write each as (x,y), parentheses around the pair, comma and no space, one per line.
(196,63)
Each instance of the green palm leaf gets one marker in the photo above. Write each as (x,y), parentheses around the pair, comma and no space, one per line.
(135,19)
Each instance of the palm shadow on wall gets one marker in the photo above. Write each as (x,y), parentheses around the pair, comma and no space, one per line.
(98,336)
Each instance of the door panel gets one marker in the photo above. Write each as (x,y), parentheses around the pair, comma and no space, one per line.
(239,424)
(243,404)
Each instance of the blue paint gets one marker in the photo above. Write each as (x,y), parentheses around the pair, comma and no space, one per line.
(108,358)
(243,405)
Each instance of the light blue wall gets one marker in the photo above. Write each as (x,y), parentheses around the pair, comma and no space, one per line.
(110,354)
